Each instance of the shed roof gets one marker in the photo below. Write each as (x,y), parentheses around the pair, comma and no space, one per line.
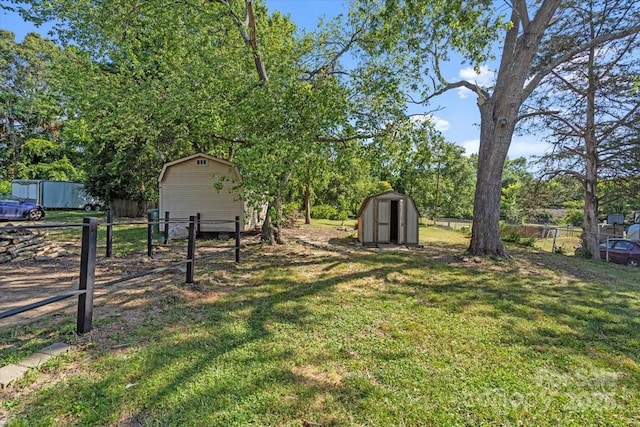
(393,193)
(194,156)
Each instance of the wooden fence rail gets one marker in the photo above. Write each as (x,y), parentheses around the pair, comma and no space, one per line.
(85,292)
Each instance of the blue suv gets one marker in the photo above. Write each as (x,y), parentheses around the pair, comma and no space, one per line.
(13,208)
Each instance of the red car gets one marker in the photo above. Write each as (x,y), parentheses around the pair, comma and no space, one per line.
(621,251)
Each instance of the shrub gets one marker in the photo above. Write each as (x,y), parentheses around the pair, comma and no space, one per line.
(325,212)
(575,217)
(516,234)
(5,187)
(560,250)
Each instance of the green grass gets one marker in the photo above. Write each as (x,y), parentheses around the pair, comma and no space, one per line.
(127,236)
(72,215)
(376,338)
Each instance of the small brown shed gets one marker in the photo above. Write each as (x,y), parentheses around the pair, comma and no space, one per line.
(388,218)
(202,184)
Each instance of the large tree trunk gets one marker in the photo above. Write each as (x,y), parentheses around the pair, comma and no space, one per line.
(266,233)
(496,131)
(271,229)
(498,117)
(590,224)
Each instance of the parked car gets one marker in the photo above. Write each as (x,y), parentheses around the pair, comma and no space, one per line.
(15,208)
(621,251)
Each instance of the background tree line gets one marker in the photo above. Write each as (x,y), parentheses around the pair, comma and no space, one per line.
(321,117)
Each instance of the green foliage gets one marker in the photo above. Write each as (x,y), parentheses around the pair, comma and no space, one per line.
(31,106)
(575,217)
(5,186)
(517,235)
(325,212)
(560,250)
(415,159)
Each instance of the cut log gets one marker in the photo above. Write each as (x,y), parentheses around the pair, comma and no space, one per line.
(28,243)
(24,254)
(22,258)
(22,238)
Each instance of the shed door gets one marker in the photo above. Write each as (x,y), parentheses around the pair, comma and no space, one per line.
(382,219)
(402,221)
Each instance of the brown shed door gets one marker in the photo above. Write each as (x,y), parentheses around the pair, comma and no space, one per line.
(382,220)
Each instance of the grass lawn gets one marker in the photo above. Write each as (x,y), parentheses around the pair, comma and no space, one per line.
(338,335)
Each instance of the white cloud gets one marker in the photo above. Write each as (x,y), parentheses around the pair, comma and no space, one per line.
(439,123)
(471,146)
(485,79)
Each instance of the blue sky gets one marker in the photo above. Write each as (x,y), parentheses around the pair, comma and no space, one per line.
(458,120)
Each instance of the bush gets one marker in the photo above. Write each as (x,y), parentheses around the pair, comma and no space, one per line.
(515,234)
(575,217)
(5,187)
(325,212)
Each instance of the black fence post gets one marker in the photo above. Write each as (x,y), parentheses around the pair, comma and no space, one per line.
(109,234)
(237,239)
(166,227)
(149,235)
(87,274)
(198,224)
(191,249)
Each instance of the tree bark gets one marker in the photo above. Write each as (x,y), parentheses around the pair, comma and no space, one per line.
(495,138)
(498,118)
(307,205)
(266,233)
(590,223)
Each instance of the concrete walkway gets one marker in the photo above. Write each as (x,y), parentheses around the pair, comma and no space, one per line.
(17,370)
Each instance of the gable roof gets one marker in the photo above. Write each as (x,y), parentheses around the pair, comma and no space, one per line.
(195,156)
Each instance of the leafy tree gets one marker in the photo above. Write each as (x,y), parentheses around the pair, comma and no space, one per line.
(419,36)
(149,84)
(588,106)
(417,160)
(30,110)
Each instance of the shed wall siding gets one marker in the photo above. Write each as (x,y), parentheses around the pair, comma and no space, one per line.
(367,220)
(187,189)
(412,223)
(408,219)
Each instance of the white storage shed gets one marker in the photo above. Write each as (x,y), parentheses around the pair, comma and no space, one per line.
(388,218)
(202,184)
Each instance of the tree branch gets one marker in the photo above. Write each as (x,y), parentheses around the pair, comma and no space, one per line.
(538,76)
(536,113)
(329,67)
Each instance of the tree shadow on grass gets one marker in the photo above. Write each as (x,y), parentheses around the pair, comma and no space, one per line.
(249,357)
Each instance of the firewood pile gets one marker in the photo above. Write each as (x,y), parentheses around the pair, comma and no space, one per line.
(22,245)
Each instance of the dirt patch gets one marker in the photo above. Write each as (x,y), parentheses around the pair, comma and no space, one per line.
(29,281)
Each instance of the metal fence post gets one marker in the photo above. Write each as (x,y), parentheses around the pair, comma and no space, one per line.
(198,230)
(87,274)
(149,235)
(191,249)
(237,239)
(166,227)
(109,251)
